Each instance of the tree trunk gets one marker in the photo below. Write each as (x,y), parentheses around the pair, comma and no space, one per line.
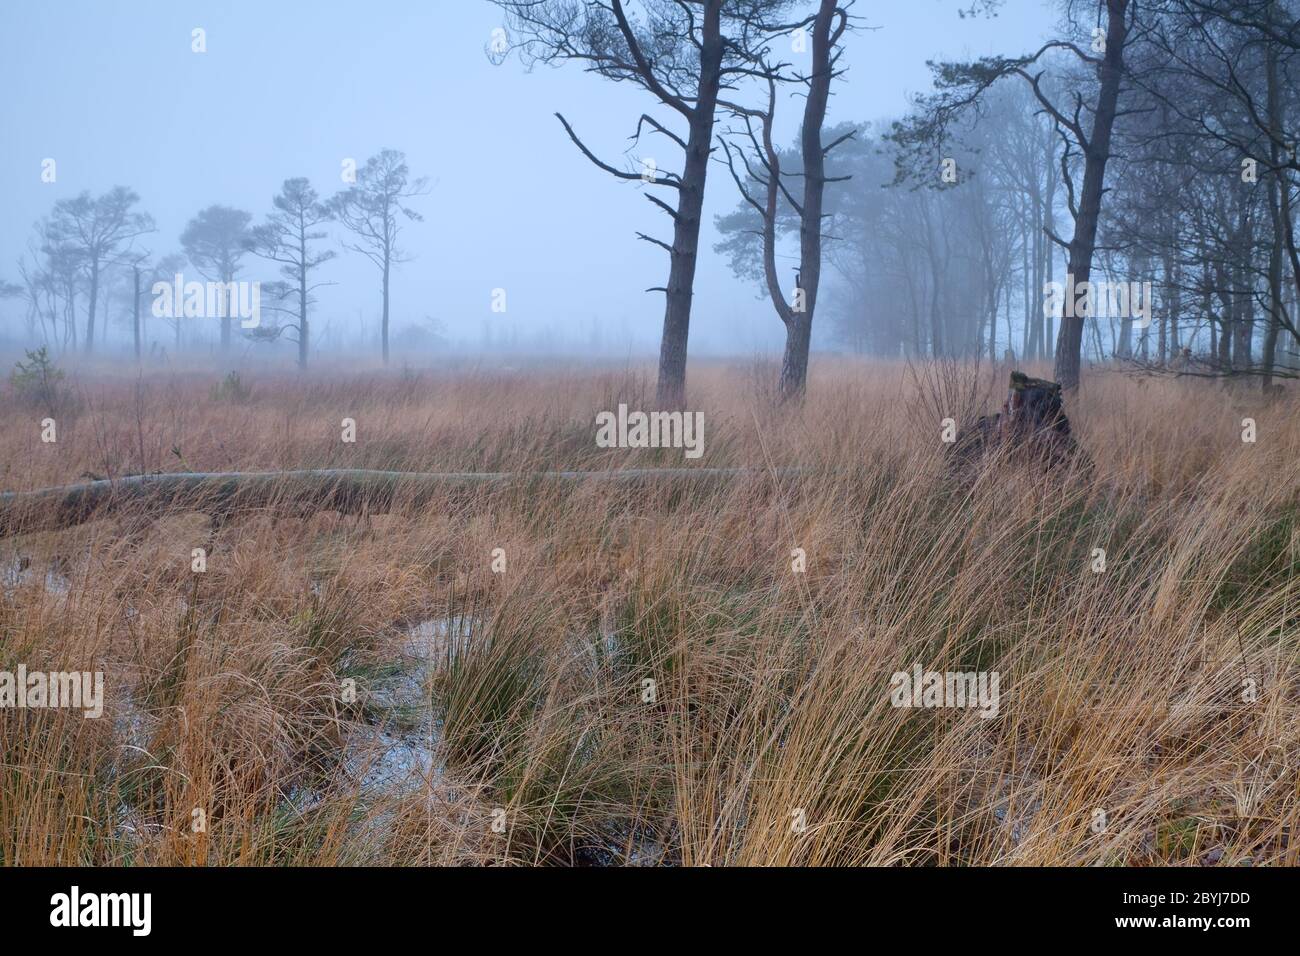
(94,301)
(135,321)
(1225,334)
(671,391)
(1243,328)
(226,319)
(1170,301)
(1276,185)
(937,348)
(1047,272)
(1096,153)
(794,362)
(383,328)
(794,365)
(304,336)
(1026,340)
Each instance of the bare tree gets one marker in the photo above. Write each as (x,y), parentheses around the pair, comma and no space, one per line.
(286,238)
(373,209)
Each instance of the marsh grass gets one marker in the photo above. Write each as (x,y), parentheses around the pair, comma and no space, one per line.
(768,737)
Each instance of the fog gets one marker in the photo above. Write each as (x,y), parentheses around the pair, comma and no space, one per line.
(116,96)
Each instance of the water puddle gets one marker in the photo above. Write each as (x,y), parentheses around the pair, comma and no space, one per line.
(392,752)
(21,571)
(396,750)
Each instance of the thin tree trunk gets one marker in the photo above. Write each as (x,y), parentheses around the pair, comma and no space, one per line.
(304,337)
(1169,305)
(94,302)
(1229,321)
(937,348)
(1049,258)
(135,321)
(1276,186)
(1006,300)
(384,324)
(226,319)
(1176,309)
(1027,339)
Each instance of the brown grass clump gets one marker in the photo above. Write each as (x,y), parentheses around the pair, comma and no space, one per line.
(649,680)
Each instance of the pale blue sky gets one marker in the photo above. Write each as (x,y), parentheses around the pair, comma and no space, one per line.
(112,91)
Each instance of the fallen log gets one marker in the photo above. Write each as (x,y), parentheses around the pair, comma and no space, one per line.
(332,489)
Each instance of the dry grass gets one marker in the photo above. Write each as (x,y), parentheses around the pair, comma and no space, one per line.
(1121,691)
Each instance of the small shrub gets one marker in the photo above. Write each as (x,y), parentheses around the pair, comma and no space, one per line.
(231,389)
(38,381)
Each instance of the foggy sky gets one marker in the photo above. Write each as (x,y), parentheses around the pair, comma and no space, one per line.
(113,92)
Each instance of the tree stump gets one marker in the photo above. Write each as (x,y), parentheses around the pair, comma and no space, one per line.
(1032,429)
